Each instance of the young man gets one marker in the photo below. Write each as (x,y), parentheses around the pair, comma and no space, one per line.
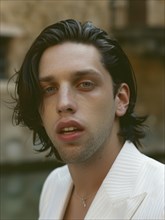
(77,92)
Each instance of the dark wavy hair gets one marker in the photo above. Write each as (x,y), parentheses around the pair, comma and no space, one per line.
(28,96)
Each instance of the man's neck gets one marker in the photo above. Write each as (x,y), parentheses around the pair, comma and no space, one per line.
(88,176)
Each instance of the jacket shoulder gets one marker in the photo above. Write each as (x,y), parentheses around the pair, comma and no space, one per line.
(154,166)
(151,174)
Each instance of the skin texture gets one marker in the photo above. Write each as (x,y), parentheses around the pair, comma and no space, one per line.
(77,87)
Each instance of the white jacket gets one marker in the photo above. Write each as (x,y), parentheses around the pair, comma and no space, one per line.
(132,189)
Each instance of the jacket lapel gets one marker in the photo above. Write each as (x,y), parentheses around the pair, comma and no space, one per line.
(116,198)
(62,195)
(105,209)
(126,208)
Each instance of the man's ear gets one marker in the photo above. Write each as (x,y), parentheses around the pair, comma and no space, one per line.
(122,99)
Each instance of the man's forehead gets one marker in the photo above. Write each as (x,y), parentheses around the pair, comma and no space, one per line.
(68,47)
(78,59)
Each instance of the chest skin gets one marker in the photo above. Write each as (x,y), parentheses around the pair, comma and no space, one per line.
(75,209)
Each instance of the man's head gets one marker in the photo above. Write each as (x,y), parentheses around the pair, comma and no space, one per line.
(30,92)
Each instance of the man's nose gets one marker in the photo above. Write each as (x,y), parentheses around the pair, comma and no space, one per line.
(66,102)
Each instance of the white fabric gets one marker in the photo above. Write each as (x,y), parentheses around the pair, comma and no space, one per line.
(132,189)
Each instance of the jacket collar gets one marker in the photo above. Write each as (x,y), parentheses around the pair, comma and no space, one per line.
(116,198)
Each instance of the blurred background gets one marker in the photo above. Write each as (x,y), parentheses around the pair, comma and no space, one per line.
(139,27)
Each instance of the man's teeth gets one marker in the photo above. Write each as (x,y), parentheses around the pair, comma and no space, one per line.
(69,129)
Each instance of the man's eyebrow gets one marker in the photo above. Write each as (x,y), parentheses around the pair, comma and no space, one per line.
(87,72)
(74,75)
(46,79)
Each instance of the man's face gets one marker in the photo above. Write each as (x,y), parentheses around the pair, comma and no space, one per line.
(79,108)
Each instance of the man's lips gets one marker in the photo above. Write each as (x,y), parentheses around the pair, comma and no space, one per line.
(62,125)
(69,130)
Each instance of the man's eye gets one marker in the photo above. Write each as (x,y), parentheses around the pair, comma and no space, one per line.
(49,90)
(87,85)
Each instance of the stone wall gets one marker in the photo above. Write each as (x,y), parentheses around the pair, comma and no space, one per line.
(32,16)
